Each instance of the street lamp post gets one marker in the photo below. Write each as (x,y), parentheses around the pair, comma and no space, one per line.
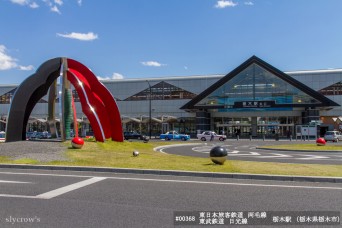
(150,109)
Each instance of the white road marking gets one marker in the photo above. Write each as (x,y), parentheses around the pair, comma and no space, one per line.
(14,182)
(275,155)
(313,157)
(161,148)
(69,188)
(224,183)
(238,154)
(170,180)
(175,145)
(204,148)
(161,151)
(17,196)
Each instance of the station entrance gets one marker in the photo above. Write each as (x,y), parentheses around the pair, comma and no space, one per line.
(257,127)
(256,99)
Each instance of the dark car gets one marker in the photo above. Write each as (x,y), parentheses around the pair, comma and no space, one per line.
(134,135)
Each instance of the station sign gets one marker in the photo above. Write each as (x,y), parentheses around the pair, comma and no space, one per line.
(254,104)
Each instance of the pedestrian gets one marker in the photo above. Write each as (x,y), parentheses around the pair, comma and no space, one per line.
(211,136)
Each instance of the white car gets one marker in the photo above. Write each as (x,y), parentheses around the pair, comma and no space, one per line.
(2,136)
(334,136)
(207,135)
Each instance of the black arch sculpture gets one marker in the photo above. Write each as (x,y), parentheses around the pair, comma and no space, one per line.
(27,95)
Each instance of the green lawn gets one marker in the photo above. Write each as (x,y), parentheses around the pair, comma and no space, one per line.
(119,155)
(114,154)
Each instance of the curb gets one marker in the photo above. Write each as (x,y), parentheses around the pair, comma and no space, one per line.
(179,173)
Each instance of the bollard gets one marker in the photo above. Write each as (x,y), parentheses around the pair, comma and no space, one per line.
(250,138)
(263,137)
(218,155)
(276,137)
(237,138)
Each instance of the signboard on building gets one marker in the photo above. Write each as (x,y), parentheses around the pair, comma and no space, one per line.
(254,104)
(306,131)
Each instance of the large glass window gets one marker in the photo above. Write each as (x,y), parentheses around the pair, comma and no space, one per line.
(256,84)
(162,91)
(6,98)
(335,89)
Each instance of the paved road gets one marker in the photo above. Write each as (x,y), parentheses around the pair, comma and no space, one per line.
(246,150)
(31,198)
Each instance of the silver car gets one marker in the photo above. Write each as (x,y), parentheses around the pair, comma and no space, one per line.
(334,136)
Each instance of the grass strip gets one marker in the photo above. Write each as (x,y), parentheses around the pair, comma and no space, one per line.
(119,155)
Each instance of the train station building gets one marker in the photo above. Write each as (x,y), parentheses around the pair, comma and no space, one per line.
(254,98)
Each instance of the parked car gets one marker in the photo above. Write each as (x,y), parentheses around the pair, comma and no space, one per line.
(134,135)
(334,136)
(37,135)
(174,135)
(2,136)
(207,135)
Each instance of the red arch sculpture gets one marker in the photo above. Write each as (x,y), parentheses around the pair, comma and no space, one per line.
(97,102)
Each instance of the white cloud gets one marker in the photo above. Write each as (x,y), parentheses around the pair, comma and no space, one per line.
(33,5)
(115,76)
(6,61)
(153,64)
(20,2)
(101,78)
(53,5)
(59,2)
(249,3)
(223,4)
(29,3)
(26,68)
(55,9)
(80,36)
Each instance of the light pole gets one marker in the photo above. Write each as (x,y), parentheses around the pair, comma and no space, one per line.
(150,109)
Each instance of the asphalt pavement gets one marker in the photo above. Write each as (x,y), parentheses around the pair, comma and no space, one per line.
(251,150)
(42,198)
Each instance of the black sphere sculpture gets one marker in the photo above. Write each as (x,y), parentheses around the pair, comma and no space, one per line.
(218,155)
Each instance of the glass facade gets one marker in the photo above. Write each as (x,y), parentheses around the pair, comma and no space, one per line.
(256,84)
(257,126)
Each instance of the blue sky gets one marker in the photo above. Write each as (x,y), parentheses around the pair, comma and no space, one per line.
(158,38)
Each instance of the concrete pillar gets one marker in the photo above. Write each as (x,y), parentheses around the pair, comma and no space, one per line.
(254,126)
